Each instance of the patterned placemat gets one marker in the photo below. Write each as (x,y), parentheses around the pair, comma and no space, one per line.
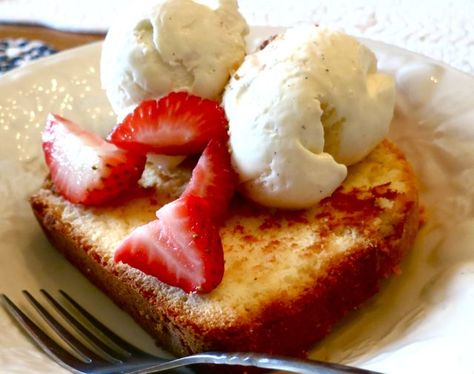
(17,52)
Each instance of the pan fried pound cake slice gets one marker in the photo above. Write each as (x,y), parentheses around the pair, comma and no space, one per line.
(289,275)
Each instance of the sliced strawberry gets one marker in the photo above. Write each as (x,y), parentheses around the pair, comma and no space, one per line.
(85,168)
(181,248)
(177,124)
(214,178)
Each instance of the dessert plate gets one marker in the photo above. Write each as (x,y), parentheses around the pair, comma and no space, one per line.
(421,321)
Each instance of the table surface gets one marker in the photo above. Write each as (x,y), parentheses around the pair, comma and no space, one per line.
(56,39)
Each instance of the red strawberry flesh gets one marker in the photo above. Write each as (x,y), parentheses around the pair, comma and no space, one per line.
(85,168)
(177,124)
(181,248)
(214,178)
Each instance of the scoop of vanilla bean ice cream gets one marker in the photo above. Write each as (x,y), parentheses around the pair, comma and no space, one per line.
(300,110)
(171,45)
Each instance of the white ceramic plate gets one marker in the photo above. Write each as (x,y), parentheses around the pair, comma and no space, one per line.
(422,321)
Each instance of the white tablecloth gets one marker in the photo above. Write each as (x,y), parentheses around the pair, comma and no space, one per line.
(441,29)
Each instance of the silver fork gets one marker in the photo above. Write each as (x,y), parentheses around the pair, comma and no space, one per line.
(108,353)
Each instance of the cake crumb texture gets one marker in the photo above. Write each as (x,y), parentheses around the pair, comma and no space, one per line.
(289,275)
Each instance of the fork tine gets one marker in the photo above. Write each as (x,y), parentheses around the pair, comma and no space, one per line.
(48,345)
(104,330)
(70,339)
(108,351)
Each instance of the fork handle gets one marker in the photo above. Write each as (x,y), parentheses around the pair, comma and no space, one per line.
(255,360)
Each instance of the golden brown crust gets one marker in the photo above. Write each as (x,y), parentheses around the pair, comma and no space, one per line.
(382,214)
(86,259)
